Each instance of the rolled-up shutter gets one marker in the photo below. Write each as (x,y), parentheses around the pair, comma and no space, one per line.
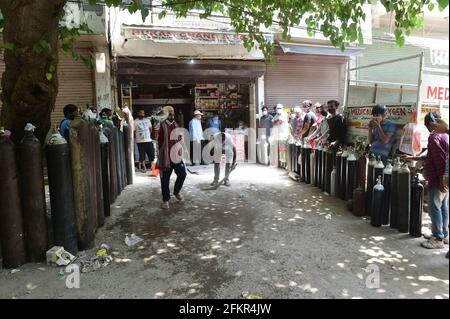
(295,78)
(75,80)
(76,85)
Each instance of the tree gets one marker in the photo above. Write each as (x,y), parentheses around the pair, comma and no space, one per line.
(32,36)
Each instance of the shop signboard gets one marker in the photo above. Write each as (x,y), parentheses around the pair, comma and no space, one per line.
(434,95)
(192,37)
(358,118)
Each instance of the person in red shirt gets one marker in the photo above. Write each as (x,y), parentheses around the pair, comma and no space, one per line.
(434,172)
(170,158)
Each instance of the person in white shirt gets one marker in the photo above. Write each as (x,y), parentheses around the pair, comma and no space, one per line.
(281,133)
(142,134)
(197,138)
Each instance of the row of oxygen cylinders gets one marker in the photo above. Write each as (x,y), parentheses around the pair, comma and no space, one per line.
(85,176)
(390,194)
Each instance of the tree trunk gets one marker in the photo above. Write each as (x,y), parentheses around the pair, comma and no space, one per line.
(29,93)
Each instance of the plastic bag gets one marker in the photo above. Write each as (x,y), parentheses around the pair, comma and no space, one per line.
(411,140)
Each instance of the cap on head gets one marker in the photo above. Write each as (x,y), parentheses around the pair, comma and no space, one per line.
(297,109)
(169,109)
(317,105)
(280,106)
(197,112)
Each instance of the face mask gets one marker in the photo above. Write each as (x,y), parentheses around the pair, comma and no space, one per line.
(324,113)
(141,116)
(279,111)
(265,112)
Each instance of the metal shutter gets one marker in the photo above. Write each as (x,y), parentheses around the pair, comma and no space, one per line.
(76,83)
(295,78)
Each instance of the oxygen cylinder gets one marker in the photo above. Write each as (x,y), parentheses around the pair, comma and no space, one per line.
(324,160)
(319,166)
(312,159)
(124,163)
(359,202)
(338,170)
(343,185)
(351,175)
(404,198)
(118,161)
(387,181)
(80,160)
(303,163)
(361,174)
(307,148)
(104,154)
(32,194)
(113,190)
(377,203)
(333,182)
(11,222)
(316,166)
(60,185)
(393,220)
(99,179)
(298,149)
(415,225)
(370,182)
(328,170)
(378,168)
(92,176)
(290,156)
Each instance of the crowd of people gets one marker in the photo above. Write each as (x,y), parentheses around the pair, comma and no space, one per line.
(316,125)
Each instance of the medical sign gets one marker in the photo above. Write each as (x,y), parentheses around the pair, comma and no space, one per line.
(359,117)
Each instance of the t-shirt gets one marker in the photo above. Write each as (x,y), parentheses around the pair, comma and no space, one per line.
(336,128)
(266,122)
(282,129)
(296,125)
(378,148)
(142,128)
(436,158)
(310,118)
(64,127)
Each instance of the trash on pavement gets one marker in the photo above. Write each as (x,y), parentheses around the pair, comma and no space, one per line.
(14,271)
(254,297)
(132,240)
(58,256)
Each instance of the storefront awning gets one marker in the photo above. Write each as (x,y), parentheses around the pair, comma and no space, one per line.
(319,50)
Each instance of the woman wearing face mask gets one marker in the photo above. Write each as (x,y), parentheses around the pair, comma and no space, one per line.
(320,127)
(381,133)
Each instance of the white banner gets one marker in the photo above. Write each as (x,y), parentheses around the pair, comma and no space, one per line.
(197,37)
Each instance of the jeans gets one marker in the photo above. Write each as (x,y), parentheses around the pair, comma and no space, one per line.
(180,170)
(217,171)
(438,203)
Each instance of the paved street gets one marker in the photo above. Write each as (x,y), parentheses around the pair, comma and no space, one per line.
(266,235)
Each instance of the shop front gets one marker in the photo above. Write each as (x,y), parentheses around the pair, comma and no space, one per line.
(215,87)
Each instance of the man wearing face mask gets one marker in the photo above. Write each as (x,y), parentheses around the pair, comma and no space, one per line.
(319,132)
(142,132)
(434,172)
(381,133)
(281,130)
(265,124)
(69,114)
(336,123)
(170,158)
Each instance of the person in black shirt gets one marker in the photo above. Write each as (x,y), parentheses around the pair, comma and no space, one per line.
(337,125)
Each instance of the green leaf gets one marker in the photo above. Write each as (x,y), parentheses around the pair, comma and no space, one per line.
(431,7)
(442,4)
(9,46)
(360,37)
(49,76)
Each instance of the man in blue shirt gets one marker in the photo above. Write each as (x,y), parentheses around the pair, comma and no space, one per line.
(69,114)
(381,133)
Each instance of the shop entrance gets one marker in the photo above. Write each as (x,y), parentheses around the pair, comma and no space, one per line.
(231,101)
